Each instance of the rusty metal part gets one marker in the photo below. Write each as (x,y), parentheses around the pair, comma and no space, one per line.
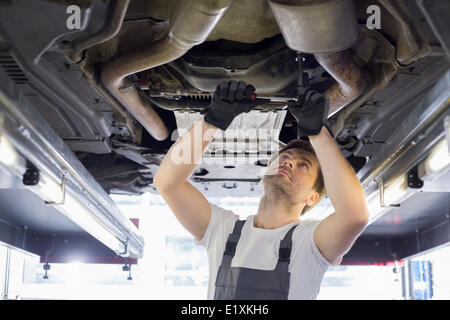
(249,21)
(192,26)
(268,65)
(135,131)
(268,75)
(350,79)
(117,11)
(378,56)
(316,26)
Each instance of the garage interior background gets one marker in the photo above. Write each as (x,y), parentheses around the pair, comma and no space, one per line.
(173,267)
(406,123)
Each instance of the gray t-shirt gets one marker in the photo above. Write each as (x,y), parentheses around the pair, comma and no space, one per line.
(258,249)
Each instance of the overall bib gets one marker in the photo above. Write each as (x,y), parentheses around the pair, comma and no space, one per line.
(234,283)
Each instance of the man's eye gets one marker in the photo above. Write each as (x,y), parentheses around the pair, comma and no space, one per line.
(303,164)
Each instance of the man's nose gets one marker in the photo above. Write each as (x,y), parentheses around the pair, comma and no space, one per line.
(287,162)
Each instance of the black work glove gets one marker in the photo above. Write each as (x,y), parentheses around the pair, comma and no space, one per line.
(310,111)
(229,100)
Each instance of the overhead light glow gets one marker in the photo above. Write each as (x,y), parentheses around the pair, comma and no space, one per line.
(439,157)
(395,191)
(51,191)
(8,155)
(79,214)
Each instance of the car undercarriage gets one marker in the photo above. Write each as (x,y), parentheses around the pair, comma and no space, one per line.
(123,87)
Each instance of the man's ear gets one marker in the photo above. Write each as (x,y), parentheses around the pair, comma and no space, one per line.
(312,199)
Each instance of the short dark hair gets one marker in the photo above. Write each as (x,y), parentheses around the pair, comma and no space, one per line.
(319,184)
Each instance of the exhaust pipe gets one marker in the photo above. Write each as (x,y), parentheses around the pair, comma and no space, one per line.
(313,26)
(116,13)
(326,29)
(351,81)
(191,27)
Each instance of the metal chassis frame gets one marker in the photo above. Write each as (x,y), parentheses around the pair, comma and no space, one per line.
(409,145)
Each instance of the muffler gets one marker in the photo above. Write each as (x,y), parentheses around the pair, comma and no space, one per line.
(325,28)
(316,26)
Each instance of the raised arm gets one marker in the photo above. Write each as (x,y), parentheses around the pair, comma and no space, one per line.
(187,203)
(335,235)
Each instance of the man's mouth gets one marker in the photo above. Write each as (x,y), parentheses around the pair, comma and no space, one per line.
(284,171)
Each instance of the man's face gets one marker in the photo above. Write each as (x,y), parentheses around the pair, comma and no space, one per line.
(292,176)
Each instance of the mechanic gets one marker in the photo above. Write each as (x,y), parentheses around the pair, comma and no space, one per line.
(273,254)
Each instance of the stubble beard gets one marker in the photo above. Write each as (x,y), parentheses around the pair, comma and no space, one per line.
(276,189)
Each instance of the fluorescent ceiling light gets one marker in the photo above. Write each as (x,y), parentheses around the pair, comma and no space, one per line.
(87,214)
(439,157)
(51,191)
(395,191)
(437,160)
(8,155)
(79,214)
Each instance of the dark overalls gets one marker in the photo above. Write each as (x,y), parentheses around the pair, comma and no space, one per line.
(249,284)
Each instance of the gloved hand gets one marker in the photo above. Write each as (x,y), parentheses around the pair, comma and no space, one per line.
(310,111)
(229,100)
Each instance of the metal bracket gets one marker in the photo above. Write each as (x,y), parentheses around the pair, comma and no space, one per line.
(46,268)
(413,178)
(31,176)
(381,192)
(127,267)
(63,190)
(125,249)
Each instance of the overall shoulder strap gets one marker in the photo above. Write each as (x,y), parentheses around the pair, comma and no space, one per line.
(233,238)
(284,253)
